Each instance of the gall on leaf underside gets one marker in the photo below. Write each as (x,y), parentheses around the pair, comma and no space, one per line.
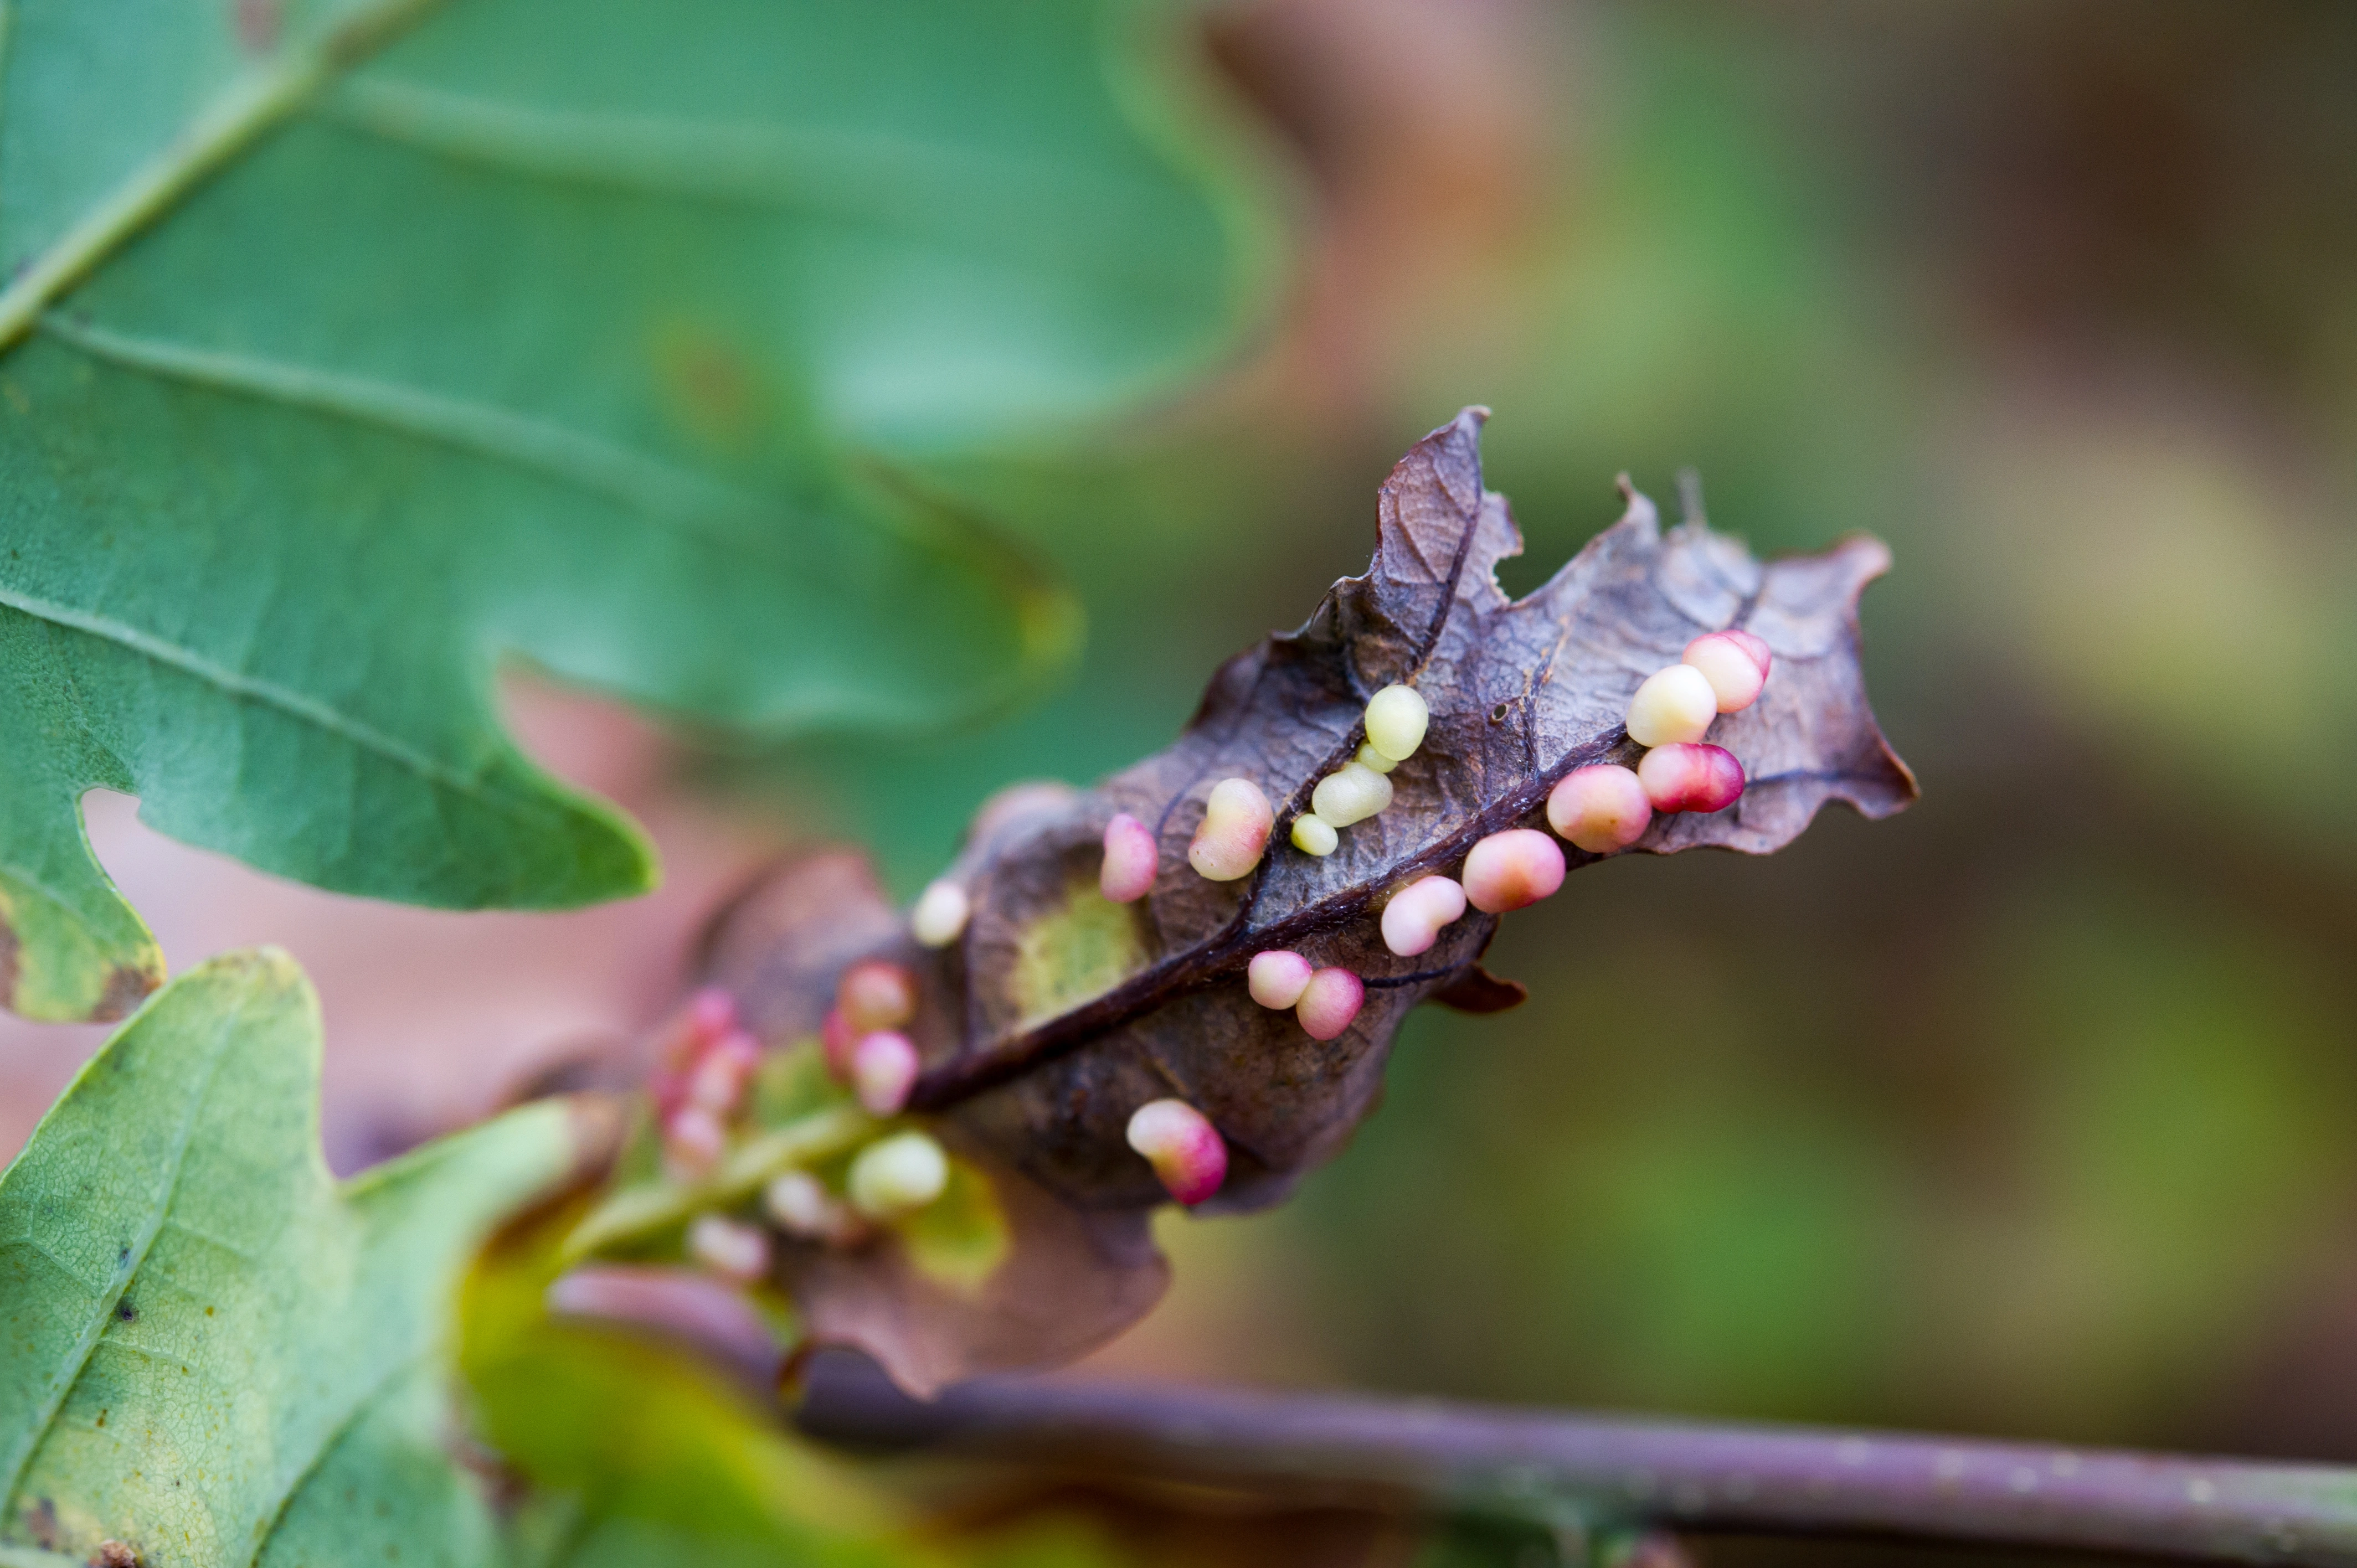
(1058,1013)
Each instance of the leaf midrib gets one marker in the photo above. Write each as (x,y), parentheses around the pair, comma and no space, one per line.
(294,704)
(96,1331)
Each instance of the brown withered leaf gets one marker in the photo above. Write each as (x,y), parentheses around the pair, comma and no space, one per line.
(1059,1013)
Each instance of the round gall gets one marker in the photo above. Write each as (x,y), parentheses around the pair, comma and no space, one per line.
(1278,978)
(941,914)
(1329,1002)
(1131,859)
(730,1249)
(1691,777)
(1601,807)
(1674,704)
(1414,919)
(1396,719)
(896,1174)
(1186,1150)
(1735,665)
(1513,870)
(875,994)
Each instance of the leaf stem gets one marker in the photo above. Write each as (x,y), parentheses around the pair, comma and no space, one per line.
(254,104)
(1616,1472)
(635,1213)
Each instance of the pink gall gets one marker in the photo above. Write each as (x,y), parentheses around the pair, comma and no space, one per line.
(1513,870)
(1601,808)
(694,1139)
(883,1070)
(1735,663)
(1131,860)
(1329,1002)
(1278,978)
(1186,1150)
(1689,777)
(1413,919)
(711,1013)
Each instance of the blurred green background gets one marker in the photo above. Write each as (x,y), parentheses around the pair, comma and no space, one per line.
(2030,1111)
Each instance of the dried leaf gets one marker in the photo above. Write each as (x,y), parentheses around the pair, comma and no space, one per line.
(1059,1013)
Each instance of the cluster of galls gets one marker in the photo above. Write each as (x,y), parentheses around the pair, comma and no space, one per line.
(703,1085)
(1601,808)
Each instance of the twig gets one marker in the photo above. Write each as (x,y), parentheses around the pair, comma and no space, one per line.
(1610,1473)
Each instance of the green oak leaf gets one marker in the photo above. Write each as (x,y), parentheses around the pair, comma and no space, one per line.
(210,1351)
(350,346)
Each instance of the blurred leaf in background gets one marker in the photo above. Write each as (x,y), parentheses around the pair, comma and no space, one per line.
(350,347)
(216,1355)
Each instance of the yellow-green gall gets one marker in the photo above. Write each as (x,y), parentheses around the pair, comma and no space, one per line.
(894,1175)
(1396,717)
(1313,834)
(1351,793)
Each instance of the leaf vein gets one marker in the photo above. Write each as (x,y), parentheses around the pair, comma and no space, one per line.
(94,1333)
(335,1434)
(581,461)
(269,693)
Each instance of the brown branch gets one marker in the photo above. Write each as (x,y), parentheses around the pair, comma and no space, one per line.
(1610,1473)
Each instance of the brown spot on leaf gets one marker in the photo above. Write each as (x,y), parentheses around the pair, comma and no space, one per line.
(126,988)
(714,389)
(114,1554)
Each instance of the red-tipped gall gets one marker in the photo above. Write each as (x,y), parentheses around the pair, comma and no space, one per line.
(836,1038)
(1186,1150)
(1131,859)
(1688,778)
(694,1139)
